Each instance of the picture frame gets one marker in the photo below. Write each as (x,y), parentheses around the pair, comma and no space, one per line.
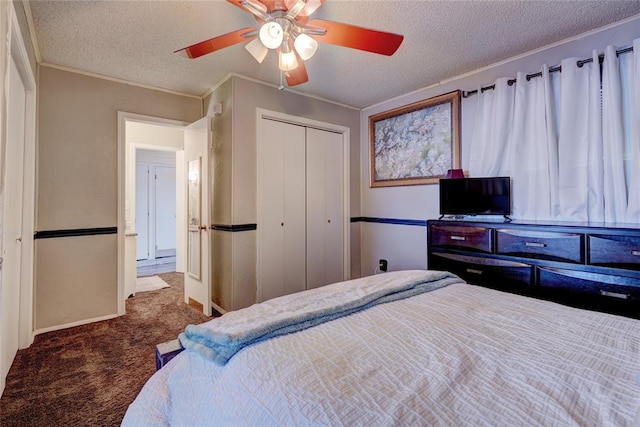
(415,144)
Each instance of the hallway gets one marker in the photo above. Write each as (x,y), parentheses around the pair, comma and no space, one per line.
(156,266)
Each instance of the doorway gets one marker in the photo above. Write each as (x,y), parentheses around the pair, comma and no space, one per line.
(155,209)
(137,134)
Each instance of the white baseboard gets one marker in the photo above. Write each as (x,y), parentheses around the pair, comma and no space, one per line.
(72,324)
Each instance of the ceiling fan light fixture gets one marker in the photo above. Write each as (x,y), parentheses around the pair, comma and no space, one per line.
(271,34)
(284,26)
(287,61)
(305,46)
(257,50)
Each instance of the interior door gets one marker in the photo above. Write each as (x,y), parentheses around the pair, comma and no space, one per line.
(165,212)
(12,222)
(142,211)
(197,278)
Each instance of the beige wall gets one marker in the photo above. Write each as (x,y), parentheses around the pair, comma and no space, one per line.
(221,156)
(154,135)
(77,188)
(222,153)
(234,253)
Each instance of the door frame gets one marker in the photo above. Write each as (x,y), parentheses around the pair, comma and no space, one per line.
(126,157)
(262,113)
(17,52)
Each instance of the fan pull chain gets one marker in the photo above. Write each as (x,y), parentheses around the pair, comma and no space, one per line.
(281,87)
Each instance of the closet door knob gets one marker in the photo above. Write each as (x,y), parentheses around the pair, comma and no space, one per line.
(329,221)
(19,239)
(203,227)
(282,224)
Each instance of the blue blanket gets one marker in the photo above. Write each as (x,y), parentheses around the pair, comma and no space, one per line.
(221,338)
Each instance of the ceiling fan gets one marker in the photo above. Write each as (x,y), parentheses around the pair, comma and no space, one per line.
(284,26)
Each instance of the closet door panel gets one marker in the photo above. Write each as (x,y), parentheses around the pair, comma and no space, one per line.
(334,188)
(281,231)
(294,209)
(271,197)
(325,253)
(316,215)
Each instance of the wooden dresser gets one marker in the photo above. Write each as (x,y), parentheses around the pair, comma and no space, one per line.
(584,265)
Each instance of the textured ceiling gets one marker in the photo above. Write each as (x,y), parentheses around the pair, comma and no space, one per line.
(135,40)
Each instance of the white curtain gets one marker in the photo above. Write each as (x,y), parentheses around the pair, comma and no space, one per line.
(515,135)
(581,177)
(492,123)
(630,65)
(532,149)
(615,187)
(570,141)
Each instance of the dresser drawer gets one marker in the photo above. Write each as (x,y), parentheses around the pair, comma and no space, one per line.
(604,285)
(476,238)
(494,273)
(554,246)
(615,251)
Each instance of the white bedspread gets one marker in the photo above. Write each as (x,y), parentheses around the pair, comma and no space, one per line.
(221,338)
(460,355)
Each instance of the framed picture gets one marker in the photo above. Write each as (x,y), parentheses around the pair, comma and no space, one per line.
(417,143)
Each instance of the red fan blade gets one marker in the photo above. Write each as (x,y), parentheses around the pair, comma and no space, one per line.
(357,37)
(297,76)
(216,43)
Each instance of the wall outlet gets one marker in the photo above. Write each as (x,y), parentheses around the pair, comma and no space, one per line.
(383,264)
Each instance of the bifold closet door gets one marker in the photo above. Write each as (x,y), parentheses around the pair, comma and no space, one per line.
(281,199)
(325,208)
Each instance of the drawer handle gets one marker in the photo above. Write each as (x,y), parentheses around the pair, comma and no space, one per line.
(458,238)
(636,253)
(614,294)
(535,244)
(474,271)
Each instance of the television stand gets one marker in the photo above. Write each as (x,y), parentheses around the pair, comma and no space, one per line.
(462,217)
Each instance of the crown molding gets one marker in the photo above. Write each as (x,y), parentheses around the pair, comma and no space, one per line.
(282,89)
(118,80)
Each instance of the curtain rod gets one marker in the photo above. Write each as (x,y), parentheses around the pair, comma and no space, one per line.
(466,94)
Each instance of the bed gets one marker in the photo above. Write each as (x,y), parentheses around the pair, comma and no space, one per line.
(446,354)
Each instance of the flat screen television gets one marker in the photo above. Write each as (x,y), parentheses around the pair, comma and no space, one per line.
(475,196)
